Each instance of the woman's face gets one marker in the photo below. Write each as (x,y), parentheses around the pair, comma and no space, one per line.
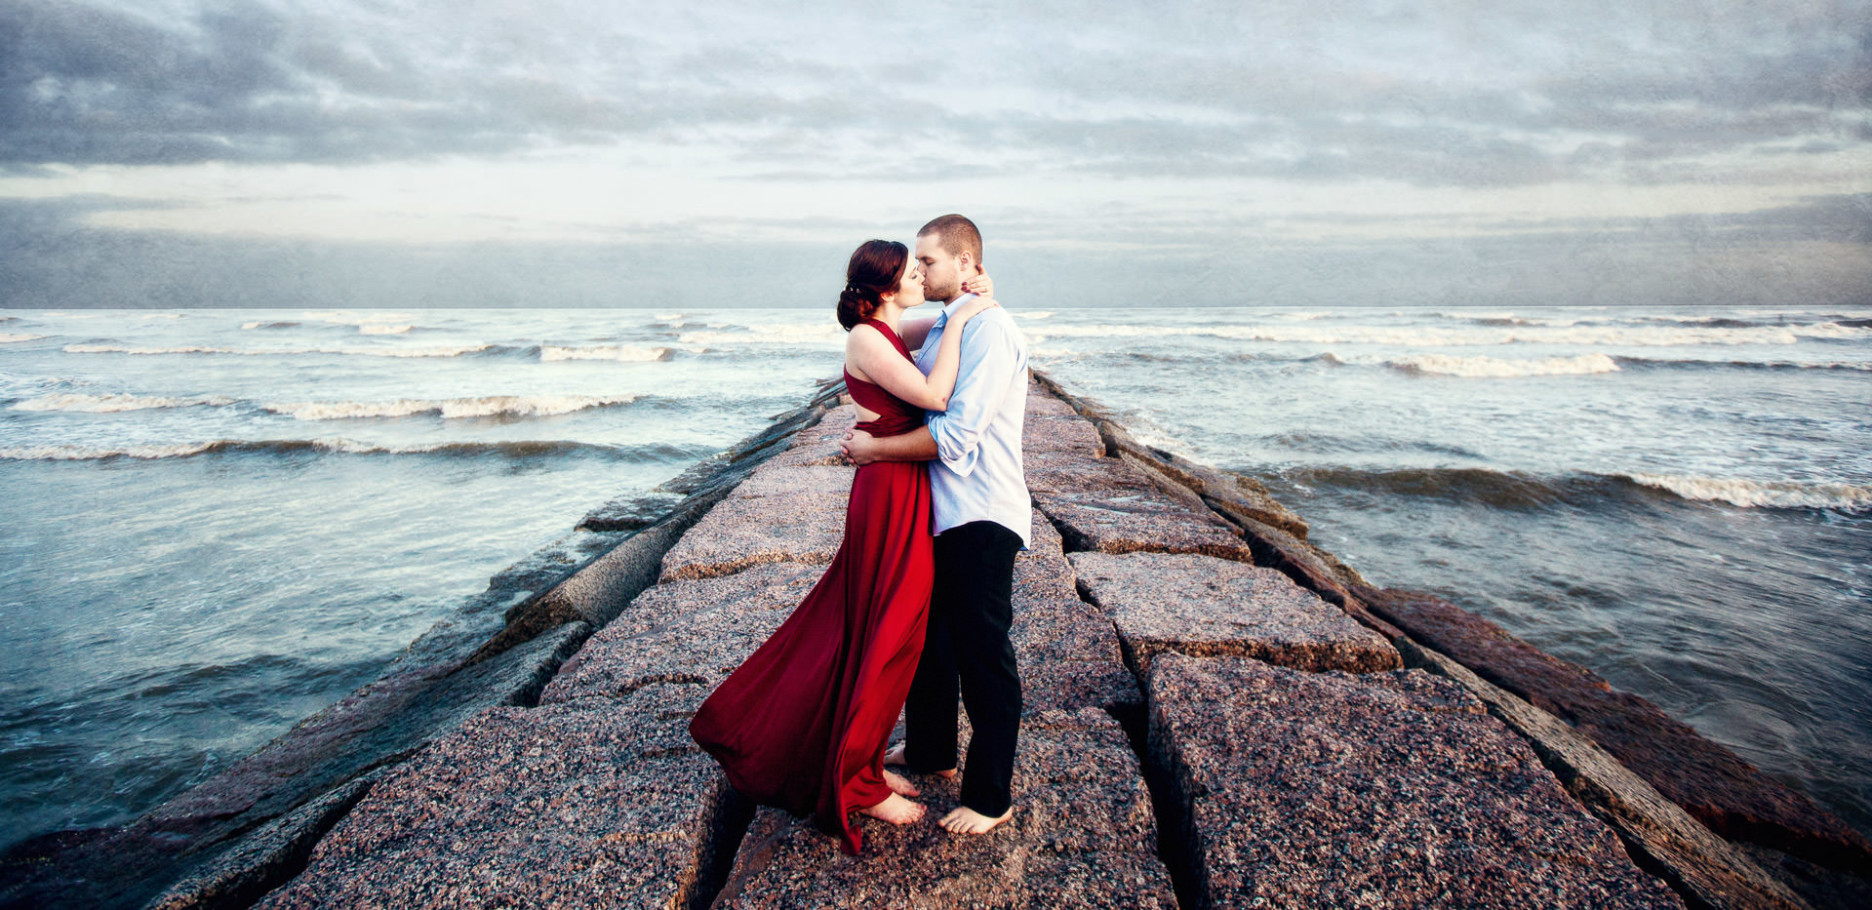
(910,287)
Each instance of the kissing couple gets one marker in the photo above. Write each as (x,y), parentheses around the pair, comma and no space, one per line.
(914,610)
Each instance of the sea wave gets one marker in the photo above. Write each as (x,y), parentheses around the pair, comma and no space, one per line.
(1472,336)
(1751,494)
(1853,365)
(1037,314)
(658,452)
(1499,368)
(11,337)
(486,406)
(269,325)
(1523,490)
(774,334)
(385,329)
(550,353)
(111,403)
(456,350)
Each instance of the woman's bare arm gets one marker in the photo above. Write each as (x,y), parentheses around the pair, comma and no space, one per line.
(874,358)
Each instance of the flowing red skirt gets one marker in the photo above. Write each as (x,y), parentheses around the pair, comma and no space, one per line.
(802,724)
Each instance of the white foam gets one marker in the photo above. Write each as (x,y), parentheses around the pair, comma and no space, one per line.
(385,329)
(450,408)
(1759,494)
(1478,335)
(12,337)
(550,353)
(668,317)
(434,351)
(105,404)
(774,334)
(1499,368)
(86,453)
(1038,314)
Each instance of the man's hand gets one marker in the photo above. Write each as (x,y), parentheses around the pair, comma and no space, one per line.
(860,448)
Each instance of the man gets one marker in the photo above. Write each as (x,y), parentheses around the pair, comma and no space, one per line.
(983,514)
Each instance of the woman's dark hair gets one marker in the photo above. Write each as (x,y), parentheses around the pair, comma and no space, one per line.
(876,268)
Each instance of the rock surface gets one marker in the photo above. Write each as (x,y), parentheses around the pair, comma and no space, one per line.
(1110,507)
(1082,835)
(554,806)
(1729,795)
(1207,607)
(1690,856)
(1386,790)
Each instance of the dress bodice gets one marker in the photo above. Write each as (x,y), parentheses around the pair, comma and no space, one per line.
(895,416)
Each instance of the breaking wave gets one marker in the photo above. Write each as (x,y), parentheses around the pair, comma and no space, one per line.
(549,353)
(450,408)
(1498,368)
(1751,494)
(1859,366)
(654,452)
(435,351)
(385,329)
(1471,336)
(112,403)
(269,325)
(1521,490)
(778,334)
(10,337)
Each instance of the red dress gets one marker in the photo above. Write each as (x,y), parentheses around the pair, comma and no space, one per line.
(802,723)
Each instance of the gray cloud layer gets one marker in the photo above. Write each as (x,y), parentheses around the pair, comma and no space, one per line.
(1437,94)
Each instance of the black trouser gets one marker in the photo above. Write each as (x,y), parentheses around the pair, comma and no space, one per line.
(967,650)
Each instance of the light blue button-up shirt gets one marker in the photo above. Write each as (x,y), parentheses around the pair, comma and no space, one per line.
(978,475)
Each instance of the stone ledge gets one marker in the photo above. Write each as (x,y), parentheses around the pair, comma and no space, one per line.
(1388,790)
(1083,835)
(553,806)
(1207,607)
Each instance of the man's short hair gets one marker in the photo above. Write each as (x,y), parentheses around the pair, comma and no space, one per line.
(956,234)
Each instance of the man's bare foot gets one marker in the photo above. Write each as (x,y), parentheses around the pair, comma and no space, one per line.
(895,809)
(968,821)
(899,786)
(895,756)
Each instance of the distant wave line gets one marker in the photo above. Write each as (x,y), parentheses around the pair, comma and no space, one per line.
(115,402)
(451,408)
(436,351)
(1604,336)
(652,452)
(13,337)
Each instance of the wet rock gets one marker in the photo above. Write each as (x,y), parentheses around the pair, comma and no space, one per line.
(1303,789)
(555,806)
(1728,794)
(1119,510)
(1082,835)
(1687,854)
(266,858)
(370,727)
(1207,607)
(688,632)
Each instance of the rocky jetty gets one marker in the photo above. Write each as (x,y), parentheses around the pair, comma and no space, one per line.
(1217,714)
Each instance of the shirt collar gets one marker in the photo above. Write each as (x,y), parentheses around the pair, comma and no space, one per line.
(951,306)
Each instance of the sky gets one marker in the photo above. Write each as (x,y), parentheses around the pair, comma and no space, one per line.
(177,153)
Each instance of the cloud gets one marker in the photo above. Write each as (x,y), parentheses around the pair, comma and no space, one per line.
(1433,94)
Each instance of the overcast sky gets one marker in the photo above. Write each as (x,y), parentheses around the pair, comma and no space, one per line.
(169,152)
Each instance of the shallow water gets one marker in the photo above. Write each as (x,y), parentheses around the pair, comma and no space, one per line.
(221,521)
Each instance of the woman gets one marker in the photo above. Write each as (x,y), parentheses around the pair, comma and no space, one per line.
(802,724)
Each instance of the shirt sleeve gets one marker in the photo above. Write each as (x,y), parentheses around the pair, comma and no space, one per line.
(990,361)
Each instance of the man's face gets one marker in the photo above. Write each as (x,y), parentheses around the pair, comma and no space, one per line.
(942,272)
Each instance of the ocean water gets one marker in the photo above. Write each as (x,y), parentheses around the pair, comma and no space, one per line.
(220,521)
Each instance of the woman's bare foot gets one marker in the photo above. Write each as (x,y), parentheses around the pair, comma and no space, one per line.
(895,756)
(968,821)
(895,809)
(899,786)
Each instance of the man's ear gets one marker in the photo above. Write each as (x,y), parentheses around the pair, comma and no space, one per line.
(967,258)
